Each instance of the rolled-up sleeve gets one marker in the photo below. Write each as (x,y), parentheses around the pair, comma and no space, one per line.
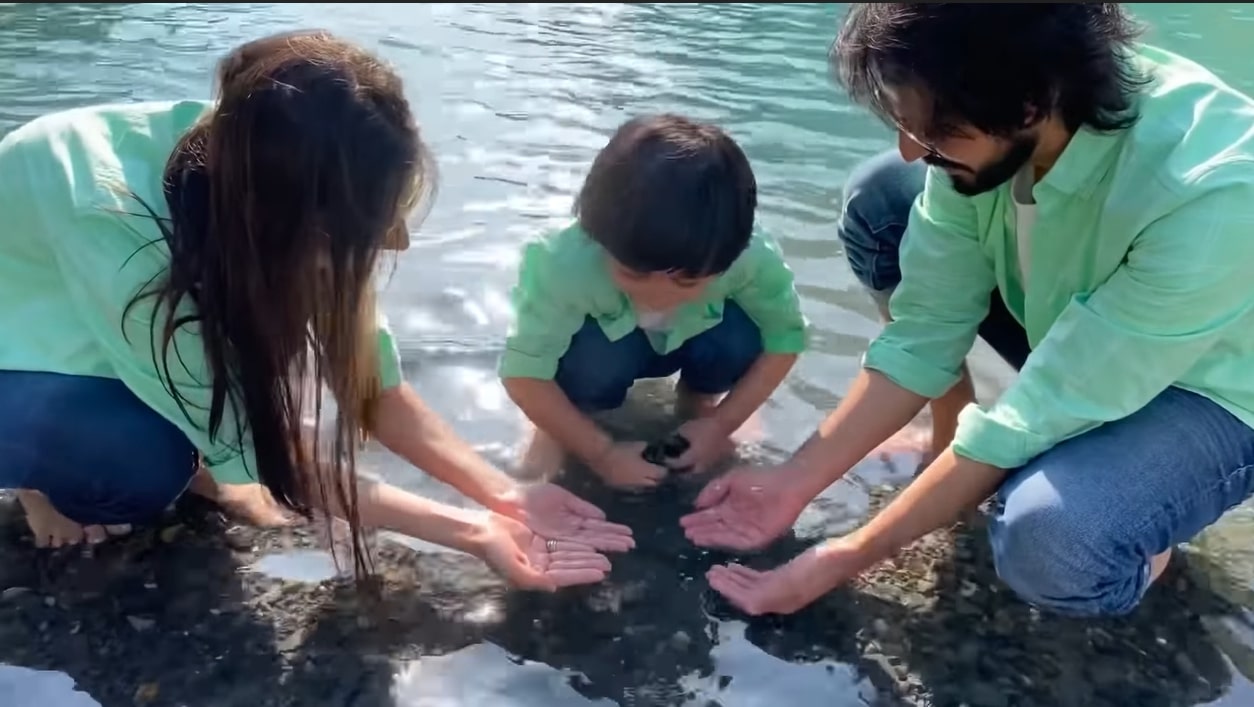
(544,321)
(936,310)
(1186,281)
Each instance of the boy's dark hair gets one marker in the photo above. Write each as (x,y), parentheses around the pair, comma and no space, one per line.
(670,194)
(995,66)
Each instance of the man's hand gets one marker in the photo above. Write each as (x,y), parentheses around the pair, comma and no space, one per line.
(745,509)
(790,587)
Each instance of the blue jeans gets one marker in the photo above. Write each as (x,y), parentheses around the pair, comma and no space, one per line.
(1073,530)
(98,453)
(596,373)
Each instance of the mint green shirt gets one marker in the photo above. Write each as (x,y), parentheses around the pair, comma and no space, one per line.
(74,251)
(564,278)
(1139,274)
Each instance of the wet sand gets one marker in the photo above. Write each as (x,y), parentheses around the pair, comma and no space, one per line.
(170,616)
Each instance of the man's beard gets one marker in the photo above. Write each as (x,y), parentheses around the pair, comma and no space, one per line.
(990,177)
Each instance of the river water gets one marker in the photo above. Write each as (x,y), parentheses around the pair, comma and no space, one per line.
(515,99)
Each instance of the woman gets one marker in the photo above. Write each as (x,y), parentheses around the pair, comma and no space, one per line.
(174,276)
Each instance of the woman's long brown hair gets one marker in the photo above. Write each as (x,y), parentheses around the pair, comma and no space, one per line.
(280,202)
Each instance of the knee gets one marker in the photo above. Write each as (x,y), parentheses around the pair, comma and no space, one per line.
(1066,558)
(596,373)
(715,360)
(132,489)
(875,209)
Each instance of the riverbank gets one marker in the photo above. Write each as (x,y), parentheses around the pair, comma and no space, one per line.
(172,616)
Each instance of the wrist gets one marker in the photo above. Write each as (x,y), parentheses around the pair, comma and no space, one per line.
(596,450)
(727,419)
(467,531)
(506,499)
(801,481)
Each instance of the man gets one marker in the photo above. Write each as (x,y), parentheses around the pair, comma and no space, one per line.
(1085,203)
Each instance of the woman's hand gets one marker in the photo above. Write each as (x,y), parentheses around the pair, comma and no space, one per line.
(530,561)
(553,512)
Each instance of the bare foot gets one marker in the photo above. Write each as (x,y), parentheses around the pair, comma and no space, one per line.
(542,459)
(250,503)
(51,529)
(1158,564)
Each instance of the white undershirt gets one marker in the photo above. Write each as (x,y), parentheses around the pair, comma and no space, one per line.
(1025,219)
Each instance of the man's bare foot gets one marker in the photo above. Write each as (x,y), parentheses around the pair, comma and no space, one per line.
(542,459)
(51,529)
(1158,564)
(913,441)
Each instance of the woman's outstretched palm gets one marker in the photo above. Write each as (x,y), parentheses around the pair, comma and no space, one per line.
(531,561)
(558,514)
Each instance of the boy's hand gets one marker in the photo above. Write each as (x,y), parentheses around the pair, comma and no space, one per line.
(622,466)
(708,443)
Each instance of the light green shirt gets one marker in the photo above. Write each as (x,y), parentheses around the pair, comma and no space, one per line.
(1141,258)
(564,278)
(74,250)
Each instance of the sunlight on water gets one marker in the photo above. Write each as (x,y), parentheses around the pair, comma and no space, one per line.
(484,674)
(24,687)
(745,676)
(297,566)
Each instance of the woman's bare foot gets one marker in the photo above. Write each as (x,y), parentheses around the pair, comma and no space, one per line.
(251,503)
(51,529)
(542,459)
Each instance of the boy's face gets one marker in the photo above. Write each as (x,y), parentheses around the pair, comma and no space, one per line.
(656,291)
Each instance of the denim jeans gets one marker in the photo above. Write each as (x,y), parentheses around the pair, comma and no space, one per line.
(1073,530)
(98,453)
(596,373)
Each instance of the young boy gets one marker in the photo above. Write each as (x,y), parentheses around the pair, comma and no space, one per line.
(661,273)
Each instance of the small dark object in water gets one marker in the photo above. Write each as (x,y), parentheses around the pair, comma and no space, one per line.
(669,448)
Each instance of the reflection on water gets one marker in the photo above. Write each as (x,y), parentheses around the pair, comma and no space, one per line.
(746,676)
(23,687)
(515,98)
(484,674)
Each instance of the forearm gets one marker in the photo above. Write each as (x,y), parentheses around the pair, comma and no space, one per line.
(386,507)
(763,377)
(874,409)
(548,408)
(409,428)
(949,487)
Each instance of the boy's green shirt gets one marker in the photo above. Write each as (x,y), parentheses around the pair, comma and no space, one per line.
(564,278)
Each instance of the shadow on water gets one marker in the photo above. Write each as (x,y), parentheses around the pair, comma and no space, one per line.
(159,617)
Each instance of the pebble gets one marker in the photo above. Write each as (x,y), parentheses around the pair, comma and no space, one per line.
(13,593)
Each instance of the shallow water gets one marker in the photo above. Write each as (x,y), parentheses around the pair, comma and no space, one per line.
(515,99)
